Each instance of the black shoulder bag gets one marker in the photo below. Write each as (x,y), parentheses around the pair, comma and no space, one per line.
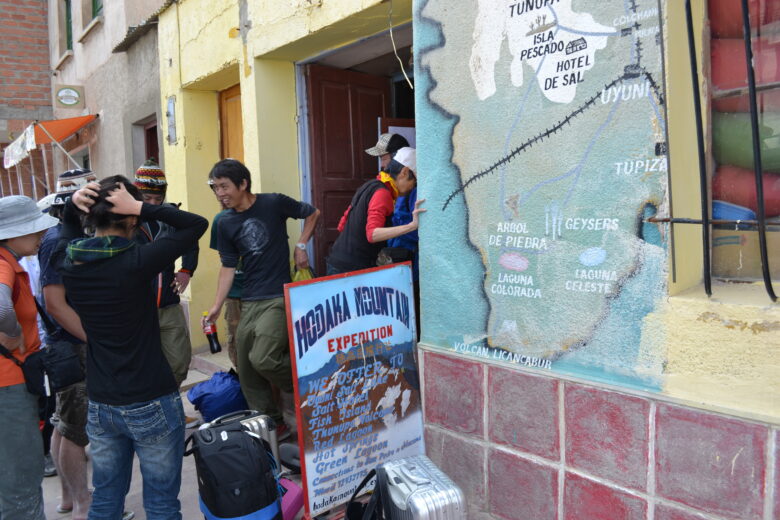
(373,510)
(50,369)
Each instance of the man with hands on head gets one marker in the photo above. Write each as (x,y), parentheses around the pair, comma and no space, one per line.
(134,404)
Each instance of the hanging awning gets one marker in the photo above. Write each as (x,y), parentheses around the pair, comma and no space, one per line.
(59,129)
(43,132)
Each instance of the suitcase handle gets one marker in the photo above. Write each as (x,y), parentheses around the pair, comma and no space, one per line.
(416,479)
(241,414)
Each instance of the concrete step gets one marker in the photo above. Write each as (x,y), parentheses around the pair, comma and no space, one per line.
(209,363)
(193,378)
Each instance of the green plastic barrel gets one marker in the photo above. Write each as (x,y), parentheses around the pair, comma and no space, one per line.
(732,141)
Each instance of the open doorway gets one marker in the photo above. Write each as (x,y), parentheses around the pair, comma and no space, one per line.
(351,93)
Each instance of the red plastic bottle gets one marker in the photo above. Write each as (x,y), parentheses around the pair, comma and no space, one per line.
(210,330)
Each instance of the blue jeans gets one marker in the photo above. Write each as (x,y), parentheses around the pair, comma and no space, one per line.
(21,455)
(155,431)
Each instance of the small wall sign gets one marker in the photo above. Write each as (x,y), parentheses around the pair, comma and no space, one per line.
(69,96)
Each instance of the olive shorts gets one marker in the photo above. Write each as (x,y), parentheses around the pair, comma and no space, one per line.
(70,417)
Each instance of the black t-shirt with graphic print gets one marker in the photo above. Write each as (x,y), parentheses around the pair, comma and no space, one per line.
(259,237)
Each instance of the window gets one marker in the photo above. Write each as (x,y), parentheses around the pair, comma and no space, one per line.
(739,152)
(150,141)
(145,140)
(82,157)
(68,26)
(736,248)
(97,8)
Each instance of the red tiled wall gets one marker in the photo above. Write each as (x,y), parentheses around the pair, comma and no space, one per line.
(527,446)
(777,476)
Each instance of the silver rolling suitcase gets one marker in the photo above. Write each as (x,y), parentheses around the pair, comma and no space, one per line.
(414,488)
(255,422)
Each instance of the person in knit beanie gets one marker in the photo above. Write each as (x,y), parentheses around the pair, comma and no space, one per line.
(150,179)
(174,333)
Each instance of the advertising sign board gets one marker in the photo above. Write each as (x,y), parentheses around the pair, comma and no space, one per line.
(357,390)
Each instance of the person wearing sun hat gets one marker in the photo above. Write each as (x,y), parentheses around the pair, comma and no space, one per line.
(174,333)
(21,451)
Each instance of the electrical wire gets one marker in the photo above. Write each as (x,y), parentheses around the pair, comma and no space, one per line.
(395,50)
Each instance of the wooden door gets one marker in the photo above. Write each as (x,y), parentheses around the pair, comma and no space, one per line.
(230,123)
(150,141)
(343,111)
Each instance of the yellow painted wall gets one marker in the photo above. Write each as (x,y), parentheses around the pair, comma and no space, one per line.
(206,42)
(683,164)
(207,46)
(309,28)
(196,149)
(724,352)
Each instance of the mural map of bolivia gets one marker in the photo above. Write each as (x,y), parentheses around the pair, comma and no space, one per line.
(560,152)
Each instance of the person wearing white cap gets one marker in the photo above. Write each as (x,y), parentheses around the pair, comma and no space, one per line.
(365,226)
(21,450)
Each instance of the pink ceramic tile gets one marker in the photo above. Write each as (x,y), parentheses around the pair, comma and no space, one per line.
(606,434)
(520,489)
(709,462)
(663,512)
(585,499)
(453,393)
(523,412)
(462,461)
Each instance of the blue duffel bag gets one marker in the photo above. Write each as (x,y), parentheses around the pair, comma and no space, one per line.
(218,396)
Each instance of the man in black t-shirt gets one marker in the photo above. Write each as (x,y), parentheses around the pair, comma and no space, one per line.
(254,229)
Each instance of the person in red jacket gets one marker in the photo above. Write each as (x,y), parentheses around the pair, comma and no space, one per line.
(365,225)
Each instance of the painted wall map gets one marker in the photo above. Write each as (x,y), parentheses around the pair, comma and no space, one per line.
(542,150)
(356,381)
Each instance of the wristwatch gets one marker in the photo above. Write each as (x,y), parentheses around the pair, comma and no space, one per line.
(301,246)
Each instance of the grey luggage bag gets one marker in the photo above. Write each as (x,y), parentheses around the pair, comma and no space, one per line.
(414,488)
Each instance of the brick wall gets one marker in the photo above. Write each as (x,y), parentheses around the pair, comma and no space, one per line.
(25,78)
(526,446)
(25,86)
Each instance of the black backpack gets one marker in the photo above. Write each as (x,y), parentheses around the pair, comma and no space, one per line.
(236,473)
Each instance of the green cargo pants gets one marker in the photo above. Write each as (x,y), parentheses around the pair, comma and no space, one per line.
(175,339)
(263,353)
